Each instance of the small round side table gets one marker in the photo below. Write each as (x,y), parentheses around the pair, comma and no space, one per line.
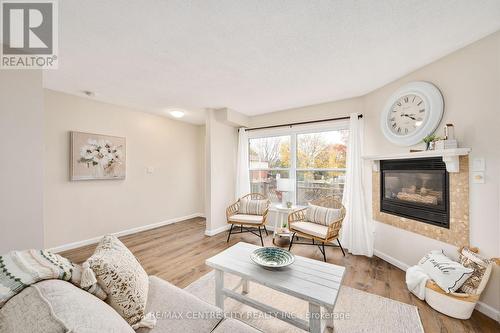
(281,221)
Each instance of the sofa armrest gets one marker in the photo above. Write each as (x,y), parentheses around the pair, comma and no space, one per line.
(169,302)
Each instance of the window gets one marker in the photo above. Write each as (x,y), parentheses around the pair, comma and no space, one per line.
(321,162)
(268,158)
(315,159)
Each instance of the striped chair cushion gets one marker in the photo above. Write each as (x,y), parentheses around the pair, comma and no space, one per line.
(253,207)
(322,215)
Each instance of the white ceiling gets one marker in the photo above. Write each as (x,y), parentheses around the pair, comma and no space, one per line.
(253,56)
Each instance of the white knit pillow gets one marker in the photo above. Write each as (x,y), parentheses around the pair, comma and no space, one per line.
(322,215)
(448,274)
(253,207)
(121,276)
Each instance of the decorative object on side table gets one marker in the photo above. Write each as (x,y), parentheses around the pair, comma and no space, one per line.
(285,186)
(95,156)
(272,257)
(281,223)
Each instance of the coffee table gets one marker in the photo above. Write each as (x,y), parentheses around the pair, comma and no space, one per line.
(311,280)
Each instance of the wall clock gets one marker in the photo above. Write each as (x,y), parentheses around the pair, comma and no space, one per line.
(411,113)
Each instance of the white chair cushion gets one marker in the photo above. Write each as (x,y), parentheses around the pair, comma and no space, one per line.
(248,219)
(310,228)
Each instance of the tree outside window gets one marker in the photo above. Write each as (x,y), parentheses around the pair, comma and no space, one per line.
(316,160)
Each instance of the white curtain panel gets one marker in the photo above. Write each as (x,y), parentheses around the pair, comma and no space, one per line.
(242,167)
(357,228)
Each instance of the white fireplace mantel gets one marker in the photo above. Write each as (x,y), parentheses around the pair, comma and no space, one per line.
(450,157)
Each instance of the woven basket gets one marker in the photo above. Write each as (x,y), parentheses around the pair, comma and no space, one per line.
(456,305)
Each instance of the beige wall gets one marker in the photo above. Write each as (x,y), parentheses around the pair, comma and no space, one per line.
(21,164)
(470,82)
(220,152)
(311,112)
(79,210)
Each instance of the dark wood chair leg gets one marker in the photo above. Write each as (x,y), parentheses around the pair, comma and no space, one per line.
(260,233)
(265,230)
(229,233)
(324,253)
(341,247)
(291,242)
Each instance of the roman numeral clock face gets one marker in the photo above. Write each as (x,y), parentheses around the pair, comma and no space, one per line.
(411,113)
(407,115)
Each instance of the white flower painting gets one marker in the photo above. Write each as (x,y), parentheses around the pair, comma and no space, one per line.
(95,156)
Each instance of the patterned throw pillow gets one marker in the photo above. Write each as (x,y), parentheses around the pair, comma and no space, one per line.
(253,207)
(121,276)
(322,215)
(449,275)
(20,269)
(481,267)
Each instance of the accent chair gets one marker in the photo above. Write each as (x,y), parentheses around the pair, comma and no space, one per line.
(249,213)
(320,222)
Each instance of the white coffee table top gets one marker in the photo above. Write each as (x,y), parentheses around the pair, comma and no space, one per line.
(308,279)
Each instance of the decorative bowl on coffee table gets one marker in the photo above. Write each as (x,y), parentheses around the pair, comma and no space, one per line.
(272,257)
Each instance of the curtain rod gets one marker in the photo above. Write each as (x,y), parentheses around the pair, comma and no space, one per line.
(302,123)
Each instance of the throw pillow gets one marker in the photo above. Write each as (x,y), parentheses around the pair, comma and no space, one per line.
(121,276)
(253,206)
(449,275)
(322,215)
(482,267)
(20,269)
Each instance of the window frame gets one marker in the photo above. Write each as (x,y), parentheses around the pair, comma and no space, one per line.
(293,132)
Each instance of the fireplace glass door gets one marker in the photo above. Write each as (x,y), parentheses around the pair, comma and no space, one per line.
(416,189)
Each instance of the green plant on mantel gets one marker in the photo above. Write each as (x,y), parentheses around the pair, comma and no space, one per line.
(430,138)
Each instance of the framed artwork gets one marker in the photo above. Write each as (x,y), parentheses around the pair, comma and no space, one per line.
(96,156)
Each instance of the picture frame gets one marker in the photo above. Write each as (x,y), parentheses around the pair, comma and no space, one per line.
(97,156)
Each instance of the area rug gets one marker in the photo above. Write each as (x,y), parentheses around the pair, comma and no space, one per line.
(355,310)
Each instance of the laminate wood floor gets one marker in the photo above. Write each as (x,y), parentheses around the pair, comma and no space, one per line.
(177,253)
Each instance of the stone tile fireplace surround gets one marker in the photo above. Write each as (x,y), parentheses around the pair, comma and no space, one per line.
(458,232)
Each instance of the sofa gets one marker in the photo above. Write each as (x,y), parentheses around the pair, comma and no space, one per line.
(54,306)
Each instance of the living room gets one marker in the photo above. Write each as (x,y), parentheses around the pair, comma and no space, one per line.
(261,163)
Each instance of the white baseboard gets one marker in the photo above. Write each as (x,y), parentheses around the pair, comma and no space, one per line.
(216,231)
(488,311)
(391,260)
(74,245)
(480,306)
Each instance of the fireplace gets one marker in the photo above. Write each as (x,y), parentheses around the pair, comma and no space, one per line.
(417,189)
